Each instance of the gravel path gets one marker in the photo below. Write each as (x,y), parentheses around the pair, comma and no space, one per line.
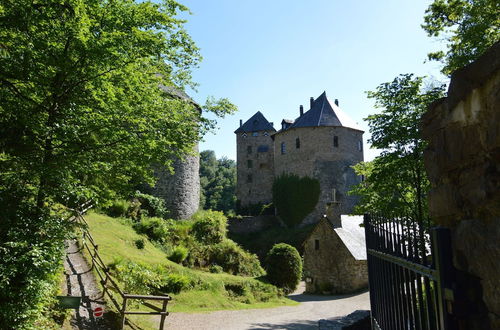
(81,282)
(304,316)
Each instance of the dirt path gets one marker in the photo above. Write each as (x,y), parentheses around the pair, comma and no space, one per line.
(81,282)
(305,316)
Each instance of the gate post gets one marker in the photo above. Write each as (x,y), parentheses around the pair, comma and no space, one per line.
(443,261)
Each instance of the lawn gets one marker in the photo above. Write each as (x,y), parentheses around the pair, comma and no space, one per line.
(116,240)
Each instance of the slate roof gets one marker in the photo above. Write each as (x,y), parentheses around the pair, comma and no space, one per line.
(256,123)
(324,113)
(352,235)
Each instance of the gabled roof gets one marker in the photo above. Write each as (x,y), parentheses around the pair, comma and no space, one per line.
(256,123)
(352,235)
(324,113)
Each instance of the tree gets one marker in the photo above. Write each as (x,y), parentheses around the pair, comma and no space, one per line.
(284,267)
(81,114)
(469,26)
(395,182)
(218,182)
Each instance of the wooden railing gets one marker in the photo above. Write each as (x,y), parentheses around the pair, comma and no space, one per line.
(107,281)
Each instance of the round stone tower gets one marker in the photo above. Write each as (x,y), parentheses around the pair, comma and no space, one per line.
(322,143)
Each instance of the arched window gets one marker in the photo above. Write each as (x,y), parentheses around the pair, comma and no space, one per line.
(297,143)
(283,148)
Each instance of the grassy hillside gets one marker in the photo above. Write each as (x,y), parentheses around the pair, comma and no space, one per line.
(203,292)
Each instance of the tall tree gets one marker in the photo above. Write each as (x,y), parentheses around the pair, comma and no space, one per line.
(218,182)
(469,26)
(81,113)
(395,182)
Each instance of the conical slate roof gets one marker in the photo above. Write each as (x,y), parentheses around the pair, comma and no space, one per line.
(325,113)
(256,123)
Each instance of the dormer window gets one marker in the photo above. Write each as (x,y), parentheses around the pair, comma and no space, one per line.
(244,135)
(266,134)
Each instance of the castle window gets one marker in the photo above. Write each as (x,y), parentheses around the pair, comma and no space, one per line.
(249,163)
(244,135)
(283,148)
(262,148)
(266,134)
(297,143)
(255,134)
(316,244)
(249,149)
(360,145)
(335,141)
(249,178)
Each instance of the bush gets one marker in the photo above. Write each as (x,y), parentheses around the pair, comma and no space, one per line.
(284,267)
(118,208)
(209,227)
(175,283)
(295,197)
(234,260)
(178,255)
(139,243)
(216,269)
(156,229)
(154,206)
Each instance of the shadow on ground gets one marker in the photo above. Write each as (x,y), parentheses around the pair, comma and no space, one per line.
(297,325)
(304,297)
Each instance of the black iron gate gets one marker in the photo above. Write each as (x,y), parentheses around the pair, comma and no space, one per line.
(410,274)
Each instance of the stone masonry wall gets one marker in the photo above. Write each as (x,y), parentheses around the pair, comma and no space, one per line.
(463,164)
(318,158)
(181,190)
(332,267)
(259,190)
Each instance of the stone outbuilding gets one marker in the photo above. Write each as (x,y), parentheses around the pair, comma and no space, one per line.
(335,257)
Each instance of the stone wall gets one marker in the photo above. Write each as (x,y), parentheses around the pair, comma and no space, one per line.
(181,190)
(317,157)
(463,164)
(259,150)
(331,267)
(248,225)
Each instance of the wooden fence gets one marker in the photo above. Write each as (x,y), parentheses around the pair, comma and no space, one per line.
(109,284)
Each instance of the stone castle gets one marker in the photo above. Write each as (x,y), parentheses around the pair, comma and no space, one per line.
(322,143)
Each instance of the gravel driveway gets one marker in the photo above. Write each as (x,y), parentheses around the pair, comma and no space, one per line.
(304,316)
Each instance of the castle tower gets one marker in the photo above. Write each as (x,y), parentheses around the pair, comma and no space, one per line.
(254,158)
(322,143)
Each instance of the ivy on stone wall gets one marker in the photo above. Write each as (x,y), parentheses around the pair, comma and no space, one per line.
(295,197)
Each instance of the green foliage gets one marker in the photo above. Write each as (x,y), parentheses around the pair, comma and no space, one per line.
(175,283)
(209,227)
(218,182)
(156,229)
(216,269)
(139,243)
(233,259)
(178,255)
(396,182)
(118,208)
(154,206)
(469,26)
(284,267)
(295,197)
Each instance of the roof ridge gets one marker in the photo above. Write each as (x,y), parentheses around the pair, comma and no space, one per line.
(322,107)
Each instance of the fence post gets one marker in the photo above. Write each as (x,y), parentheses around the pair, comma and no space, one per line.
(443,260)
(163,316)
(124,307)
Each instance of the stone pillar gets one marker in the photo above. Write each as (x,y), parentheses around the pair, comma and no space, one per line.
(463,164)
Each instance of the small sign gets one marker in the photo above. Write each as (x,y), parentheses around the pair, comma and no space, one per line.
(98,312)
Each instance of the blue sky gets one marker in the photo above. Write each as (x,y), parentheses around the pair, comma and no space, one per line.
(271,56)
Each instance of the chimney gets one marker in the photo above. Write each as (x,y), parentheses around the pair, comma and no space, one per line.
(241,122)
(301,109)
(336,102)
(311,100)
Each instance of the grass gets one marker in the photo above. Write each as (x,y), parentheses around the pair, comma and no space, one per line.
(116,240)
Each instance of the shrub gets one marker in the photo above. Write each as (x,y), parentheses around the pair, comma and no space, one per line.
(156,229)
(284,267)
(233,259)
(295,197)
(216,269)
(118,208)
(178,255)
(155,206)
(209,227)
(175,283)
(139,243)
